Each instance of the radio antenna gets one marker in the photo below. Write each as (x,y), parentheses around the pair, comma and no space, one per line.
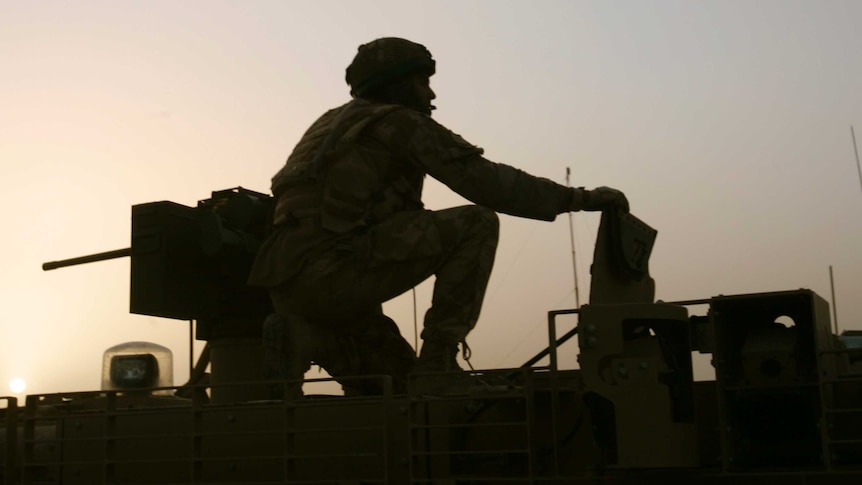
(856,151)
(572,240)
(834,303)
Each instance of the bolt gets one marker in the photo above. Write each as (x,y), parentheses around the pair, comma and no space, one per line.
(231,418)
(643,365)
(592,341)
(623,372)
(590,328)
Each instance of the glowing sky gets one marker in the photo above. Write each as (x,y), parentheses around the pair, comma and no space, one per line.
(727,124)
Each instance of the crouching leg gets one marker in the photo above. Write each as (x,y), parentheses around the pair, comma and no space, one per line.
(350,352)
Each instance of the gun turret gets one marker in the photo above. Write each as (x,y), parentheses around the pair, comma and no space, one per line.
(191,263)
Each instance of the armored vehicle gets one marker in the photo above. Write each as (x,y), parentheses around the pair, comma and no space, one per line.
(785,405)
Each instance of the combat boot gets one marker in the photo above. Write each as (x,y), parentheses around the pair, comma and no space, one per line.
(437,356)
(437,370)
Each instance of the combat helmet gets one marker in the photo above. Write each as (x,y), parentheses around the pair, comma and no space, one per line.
(383,60)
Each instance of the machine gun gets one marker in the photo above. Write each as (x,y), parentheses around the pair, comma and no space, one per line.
(191,263)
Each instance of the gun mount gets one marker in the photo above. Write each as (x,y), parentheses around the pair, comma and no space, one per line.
(191,263)
(785,407)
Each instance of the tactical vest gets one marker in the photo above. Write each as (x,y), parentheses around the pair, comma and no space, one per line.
(345,180)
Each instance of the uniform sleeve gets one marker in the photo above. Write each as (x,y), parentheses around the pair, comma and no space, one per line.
(449,158)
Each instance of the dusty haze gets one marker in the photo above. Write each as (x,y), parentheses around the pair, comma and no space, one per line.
(727,124)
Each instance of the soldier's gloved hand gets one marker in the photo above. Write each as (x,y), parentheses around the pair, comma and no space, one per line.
(598,199)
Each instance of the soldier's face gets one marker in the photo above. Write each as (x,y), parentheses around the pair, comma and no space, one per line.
(424,94)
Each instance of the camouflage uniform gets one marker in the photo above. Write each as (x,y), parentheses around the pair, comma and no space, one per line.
(351,231)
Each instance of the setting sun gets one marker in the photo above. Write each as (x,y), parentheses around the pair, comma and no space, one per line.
(17,385)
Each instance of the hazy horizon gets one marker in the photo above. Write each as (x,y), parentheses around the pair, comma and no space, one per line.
(727,124)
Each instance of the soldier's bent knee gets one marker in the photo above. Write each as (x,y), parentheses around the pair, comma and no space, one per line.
(485,219)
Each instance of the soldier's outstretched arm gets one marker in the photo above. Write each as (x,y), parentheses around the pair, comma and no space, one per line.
(449,158)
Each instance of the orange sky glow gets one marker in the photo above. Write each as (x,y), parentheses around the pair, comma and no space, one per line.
(727,124)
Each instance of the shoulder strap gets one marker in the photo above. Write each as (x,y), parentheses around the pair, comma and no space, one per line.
(378,112)
(342,135)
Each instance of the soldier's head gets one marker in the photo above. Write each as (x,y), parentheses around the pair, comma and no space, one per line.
(394,71)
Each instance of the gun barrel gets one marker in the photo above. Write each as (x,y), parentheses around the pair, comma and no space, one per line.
(90,258)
